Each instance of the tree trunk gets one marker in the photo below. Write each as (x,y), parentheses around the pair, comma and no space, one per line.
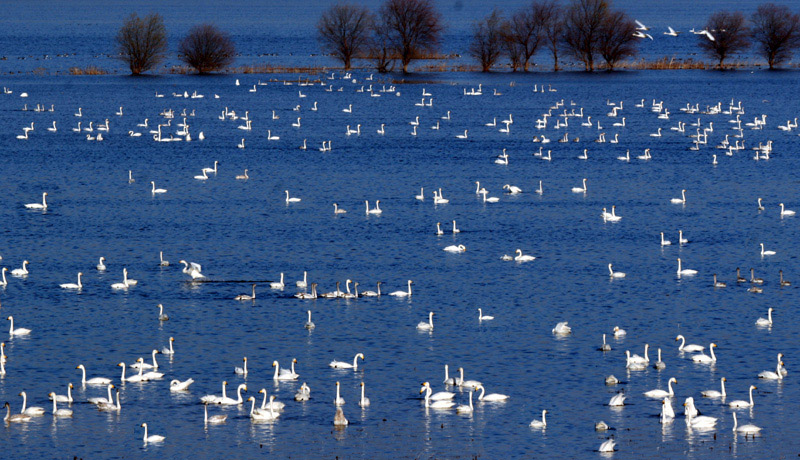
(347,63)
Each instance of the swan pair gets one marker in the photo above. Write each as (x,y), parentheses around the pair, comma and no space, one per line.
(376,210)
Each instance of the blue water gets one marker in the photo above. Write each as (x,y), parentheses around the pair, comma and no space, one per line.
(244,231)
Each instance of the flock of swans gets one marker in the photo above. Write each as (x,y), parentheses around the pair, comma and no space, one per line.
(561,115)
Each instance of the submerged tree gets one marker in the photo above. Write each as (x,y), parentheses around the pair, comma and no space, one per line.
(552,20)
(414,27)
(726,33)
(776,31)
(616,38)
(380,48)
(487,40)
(344,31)
(206,49)
(583,30)
(142,42)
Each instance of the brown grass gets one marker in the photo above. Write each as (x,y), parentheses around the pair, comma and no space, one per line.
(91,70)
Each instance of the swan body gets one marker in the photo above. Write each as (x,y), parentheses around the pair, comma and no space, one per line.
(466,383)
(92,381)
(617,400)
(447,379)
(143,365)
(100,265)
(279,284)
(746,429)
(339,401)
(34,411)
(178,386)
(169,351)
(21,271)
(522,257)
(241,370)
(226,401)
(660,394)
(665,242)
(769,375)
(309,324)
(786,212)
(42,205)
(512,189)
(562,329)
(705,359)
(607,446)
(214,399)
(59,412)
(659,364)
(492,397)
(272,404)
(444,403)
(18,331)
(343,365)
(614,274)
(152,438)
(667,413)
(16,418)
(402,293)
(214,419)
(109,400)
(605,346)
(580,189)
(685,271)
(303,394)
(261,415)
(155,190)
(192,269)
(681,200)
(466,409)
(482,317)
(285,374)
(73,285)
(63,398)
(765,322)
(714,394)
(766,252)
(426,326)
(135,378)
(740,403)
(688,348)
(455,248)
(364,401)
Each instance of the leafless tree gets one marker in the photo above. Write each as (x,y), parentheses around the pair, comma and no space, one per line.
(552,20)
(510,45)
(381,49)
(206,49)
(414,27)
(583,30)
(344,31)
(142,42)
(487,40)
(726,34)
(776,31)
(616,38)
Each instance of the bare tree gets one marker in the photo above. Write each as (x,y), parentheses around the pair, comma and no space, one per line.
(552,19)
(414,27)
(142,42)
(344,31)
(487,40)
(206,49)
(776,31)
(726,33)
(616,38)
(381,49)
(510,45)
(583,30)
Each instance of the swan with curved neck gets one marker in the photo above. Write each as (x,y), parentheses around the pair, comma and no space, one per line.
(42,205)
(343,365)
(402,293)
(659,394)
(740,403)
(423,326)
(715,393)
(705,359)
(492,397)
(18,331)
(540,423)
(73,285)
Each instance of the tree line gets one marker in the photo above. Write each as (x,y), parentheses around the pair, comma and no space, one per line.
(590,31)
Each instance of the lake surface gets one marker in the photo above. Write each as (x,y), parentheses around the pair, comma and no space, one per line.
(244,230)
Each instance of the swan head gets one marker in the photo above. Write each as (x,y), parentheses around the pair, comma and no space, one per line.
(360,355)
(79,366)
(263,390)
(274,363)
(462,247)
(713,345)
(121,365)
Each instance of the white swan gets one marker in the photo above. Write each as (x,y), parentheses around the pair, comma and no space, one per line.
(614,274)
(659,364)
(3,281)
(426,326)
(135,378)
(442,403)
(177,386)
(465,383)
(447,379)
(685,271)
(73,285)
(659,394)
(292,199)
(192,269)
(214,399)
(714,393)
(705,359)
(376,210)
(746,429)
(144,365)
(18,331)
(617,400)
(243,176)
(92,381)
(155,190)
(42,205)
(421,196)
(482,317)
(765,322)
(100,265)
(364,401)
(466,409)
(108,400)
(688,348)
(278,284)
(580,189)
(241,370)
(343,365)
(151,438)
(29,410)
(766,252)
(284,374)
(491,199)
(337,210)
(607,446)
(492,397)
(63,398)
(59,412)
(665,242)
(540,423)
(226,401)
(126,280)
(455,248)
(402,293)
(262,415)
(786,212)
(21,271)
(339,401)
(562,329)
(512,189)
(769,375)
(681,200)
(339,419)
(303,394)
(523,258)
(667,413)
